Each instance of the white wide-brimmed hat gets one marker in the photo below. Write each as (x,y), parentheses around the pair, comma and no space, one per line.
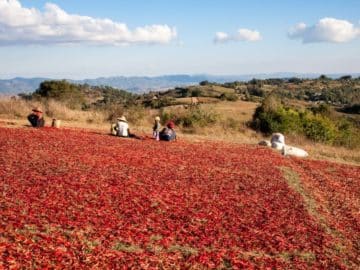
(37,109)
(122,118)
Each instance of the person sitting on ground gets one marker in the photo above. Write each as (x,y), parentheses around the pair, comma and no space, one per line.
(168,133)
(156,128)
(277,141)
(36,118)
(122,128)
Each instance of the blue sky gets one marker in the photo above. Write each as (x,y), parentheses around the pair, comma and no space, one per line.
(187,37)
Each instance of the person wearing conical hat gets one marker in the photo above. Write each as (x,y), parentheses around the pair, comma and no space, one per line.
(156,128)
(122,127)
(36,117)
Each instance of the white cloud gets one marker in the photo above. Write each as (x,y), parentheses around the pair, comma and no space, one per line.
(325,30)
(20,25)
(221,37)
(241,35)
(247,35)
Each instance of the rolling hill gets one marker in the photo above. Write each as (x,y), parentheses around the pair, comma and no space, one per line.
(140,84)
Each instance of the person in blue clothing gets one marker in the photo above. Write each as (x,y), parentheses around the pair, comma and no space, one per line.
(36,118)
(168,133)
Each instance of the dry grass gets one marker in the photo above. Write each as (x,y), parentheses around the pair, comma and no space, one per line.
(294,182)
(188,100)
(218,133)
(16,108)
(239,110)
(19,109)
(125,247)
(215,89)
(221,89)
(336,154)
(325,152)
(60,111)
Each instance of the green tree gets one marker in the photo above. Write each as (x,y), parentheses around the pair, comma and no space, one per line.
(203,83)
(324,78)
(61,91)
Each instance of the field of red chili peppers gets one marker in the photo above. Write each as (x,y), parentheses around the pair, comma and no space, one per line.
(81,199)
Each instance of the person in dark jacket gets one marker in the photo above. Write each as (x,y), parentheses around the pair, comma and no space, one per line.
(36,118)
(168,133)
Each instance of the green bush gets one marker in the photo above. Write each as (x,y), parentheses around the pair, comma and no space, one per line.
(351,109)
(272,117)
(229,96)
(112,96)
(348,134)
(319,128)
(202,83)
(192,117)
(198,117)
(314,123)
(256,91)
(322,109)
(196,92)
(162,102)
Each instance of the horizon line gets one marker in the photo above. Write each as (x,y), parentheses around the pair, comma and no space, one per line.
(185,74)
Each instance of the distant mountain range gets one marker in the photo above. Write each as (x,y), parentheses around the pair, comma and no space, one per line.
(19,85)
(145,84)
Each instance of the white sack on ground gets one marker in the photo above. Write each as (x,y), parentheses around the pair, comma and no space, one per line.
(278,142)
(294,151)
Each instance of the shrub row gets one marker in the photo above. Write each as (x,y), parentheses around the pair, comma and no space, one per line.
(195,116)
(313,123)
